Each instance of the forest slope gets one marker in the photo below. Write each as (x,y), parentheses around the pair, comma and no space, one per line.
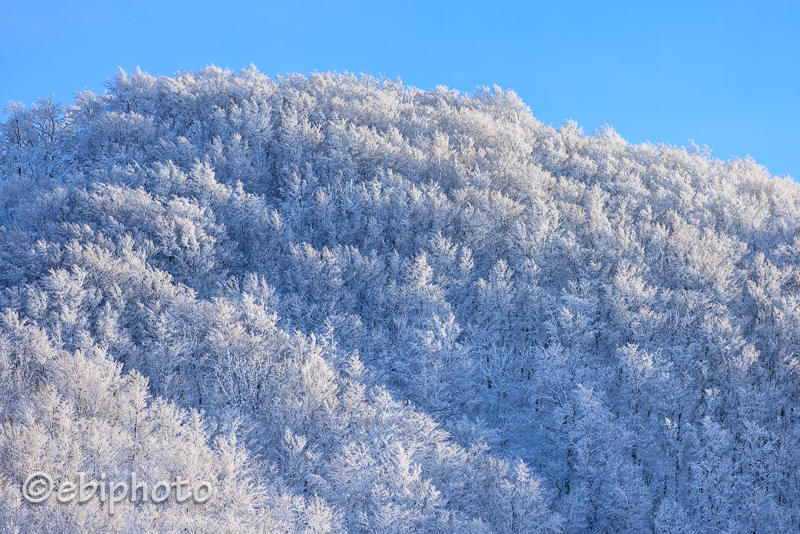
(358,306)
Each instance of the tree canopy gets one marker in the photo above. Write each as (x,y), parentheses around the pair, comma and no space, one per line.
(357,306)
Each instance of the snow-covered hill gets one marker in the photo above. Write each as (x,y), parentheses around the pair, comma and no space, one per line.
(355,306)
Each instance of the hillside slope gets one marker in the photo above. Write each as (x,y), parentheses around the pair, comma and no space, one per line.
(358,306)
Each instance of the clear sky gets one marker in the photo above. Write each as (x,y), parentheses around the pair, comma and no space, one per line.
(724,73)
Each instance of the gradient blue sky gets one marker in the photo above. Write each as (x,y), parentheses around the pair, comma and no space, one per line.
(726,74)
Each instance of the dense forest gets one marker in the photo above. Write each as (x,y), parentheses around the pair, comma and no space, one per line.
(357,306)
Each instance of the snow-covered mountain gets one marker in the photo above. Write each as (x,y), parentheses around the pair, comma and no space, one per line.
(355,306)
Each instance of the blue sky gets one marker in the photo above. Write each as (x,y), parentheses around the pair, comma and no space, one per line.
(726,74)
